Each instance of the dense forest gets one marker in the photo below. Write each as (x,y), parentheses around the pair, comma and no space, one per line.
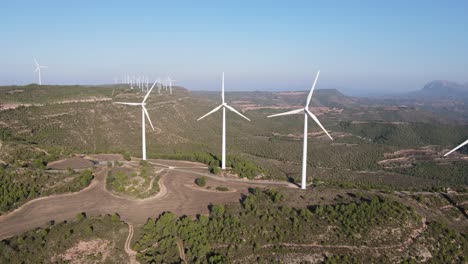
(261,223)
(56,243)
(24,176)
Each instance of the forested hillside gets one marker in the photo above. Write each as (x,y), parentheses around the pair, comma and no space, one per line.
(363,133)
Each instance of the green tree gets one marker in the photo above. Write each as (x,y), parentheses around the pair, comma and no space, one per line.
(201,181)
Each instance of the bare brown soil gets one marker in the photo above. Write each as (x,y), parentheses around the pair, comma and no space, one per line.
(131,253)
(95,200)
(318,110)
(291,93)
(106,157)
(74,163)
(6,106)
(78,253)
(12,105)
(407,157)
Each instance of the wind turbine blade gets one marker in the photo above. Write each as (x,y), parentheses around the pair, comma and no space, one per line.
(44,67)
(36,69)
(37,64)
(309,97)
(235,111)
(222,90)
(318,123)
(459,146)
(147,116)
(124,103)
(209,113)
(147,94)
(288,113)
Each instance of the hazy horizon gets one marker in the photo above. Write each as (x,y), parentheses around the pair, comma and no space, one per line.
(363,48)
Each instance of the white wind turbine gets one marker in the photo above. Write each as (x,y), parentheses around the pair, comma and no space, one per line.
(307,113)
(459,146)
(147,83)
(159,85)
(38,70)
(170,81)
(164,84)
(224,106)
(143,113)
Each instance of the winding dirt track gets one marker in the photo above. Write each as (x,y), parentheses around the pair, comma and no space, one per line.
(130,252)
(174,196)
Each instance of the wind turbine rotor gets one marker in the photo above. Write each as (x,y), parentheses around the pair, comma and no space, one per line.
(309,97)
(148,93)
(235,111)
(125,103)
(455,149)
(307,113)
(222,89)
(212,111)
(297,111)
(147,116)
(318,122)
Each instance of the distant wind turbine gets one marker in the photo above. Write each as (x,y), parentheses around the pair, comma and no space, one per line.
(170,81)
(459,146)
(159,85)
(38,70)
(307,113)
(224,106)
(143,113)
(164,84)
(147,83)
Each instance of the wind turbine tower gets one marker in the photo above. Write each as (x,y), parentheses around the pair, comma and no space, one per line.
(159,85)
(38,70)
(223,105)
(170,81)
(144,113)
(307,113)
(455,149)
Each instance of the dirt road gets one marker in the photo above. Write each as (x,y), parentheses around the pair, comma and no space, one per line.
(130,252)
(175,196)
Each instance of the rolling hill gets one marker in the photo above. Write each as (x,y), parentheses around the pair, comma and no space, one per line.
(442,90)
(364,133)
(379,190)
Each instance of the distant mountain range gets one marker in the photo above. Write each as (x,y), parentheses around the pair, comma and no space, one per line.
(442,90)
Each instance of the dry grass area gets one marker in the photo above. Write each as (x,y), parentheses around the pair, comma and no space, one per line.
(105,157)
(134,180)
(319,134)
(92,251)
(407,157)
(318,110)
(12,105)
(6,106)
(74,163)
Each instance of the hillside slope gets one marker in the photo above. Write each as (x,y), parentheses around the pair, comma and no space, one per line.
(363,133)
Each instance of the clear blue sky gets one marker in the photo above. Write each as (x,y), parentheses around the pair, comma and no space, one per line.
(376,46)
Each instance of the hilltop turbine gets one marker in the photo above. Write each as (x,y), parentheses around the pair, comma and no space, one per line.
(170,81)
(159,85)
(143,113)
(224,106)
(459,146)
(307,113)
(38,70)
